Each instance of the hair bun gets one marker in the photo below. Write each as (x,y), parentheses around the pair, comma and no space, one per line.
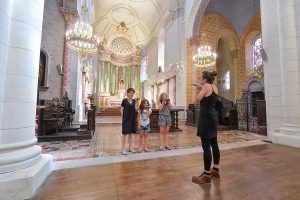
(214,73)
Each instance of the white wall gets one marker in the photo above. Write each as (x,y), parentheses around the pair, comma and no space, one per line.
(171,44)
(152,49)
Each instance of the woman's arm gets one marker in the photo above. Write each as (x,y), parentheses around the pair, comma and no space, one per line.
(137,104)
(170,106)
(202,93)
(160,106)
(138,119)
(122,109)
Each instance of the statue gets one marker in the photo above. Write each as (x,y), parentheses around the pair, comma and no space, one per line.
(65,97)
(153,104)
(121,89)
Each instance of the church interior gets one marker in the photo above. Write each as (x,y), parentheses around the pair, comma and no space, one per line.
(66,66)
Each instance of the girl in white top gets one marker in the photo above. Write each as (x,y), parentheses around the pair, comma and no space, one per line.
(144,124)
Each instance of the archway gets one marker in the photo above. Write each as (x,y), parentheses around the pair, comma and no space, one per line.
(226,64)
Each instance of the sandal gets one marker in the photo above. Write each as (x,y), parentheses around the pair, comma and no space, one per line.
(168,148)
(132,151)
(140,150)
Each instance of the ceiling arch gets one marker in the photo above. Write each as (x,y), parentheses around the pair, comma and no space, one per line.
(140,16)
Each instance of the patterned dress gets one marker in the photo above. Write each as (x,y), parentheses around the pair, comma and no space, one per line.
(164,118)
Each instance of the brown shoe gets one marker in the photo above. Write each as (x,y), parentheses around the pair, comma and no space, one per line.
(214,173)
(202,179)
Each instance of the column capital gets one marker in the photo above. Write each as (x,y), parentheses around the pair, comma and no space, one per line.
(69,15)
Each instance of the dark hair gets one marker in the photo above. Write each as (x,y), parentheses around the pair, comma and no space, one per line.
(130,90)
(142,104)
(209,76)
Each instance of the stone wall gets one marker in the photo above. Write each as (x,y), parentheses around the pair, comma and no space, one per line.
(53,44)
(214,26)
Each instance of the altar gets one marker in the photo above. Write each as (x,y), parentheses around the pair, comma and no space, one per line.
(154,128)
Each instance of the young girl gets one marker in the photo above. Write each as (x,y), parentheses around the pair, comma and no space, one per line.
(144,124)
(129,107)
(164,120)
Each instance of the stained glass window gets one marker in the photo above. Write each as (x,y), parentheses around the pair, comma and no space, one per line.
(257,46)
(227,80)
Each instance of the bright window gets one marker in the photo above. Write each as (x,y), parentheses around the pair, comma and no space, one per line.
(257,46)
(227,80)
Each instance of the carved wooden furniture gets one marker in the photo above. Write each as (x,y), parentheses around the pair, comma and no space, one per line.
(91,120)
(154,128)
(54,115)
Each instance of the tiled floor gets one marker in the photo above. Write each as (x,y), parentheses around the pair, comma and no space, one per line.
(107,142)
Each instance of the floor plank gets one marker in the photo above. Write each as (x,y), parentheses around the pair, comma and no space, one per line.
(266,171)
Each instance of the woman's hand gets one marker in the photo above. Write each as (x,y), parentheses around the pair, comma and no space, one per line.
(199,87)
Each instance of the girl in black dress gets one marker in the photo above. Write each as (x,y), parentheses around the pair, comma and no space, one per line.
(129,107)
(207,127)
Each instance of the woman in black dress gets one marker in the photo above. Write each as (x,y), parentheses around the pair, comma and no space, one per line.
(129,107)
(207,127)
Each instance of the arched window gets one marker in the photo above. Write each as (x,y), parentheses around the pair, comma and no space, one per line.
(42,80)
(257,46)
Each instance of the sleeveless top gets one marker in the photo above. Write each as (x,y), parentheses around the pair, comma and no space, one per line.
(208,119)
(144,119)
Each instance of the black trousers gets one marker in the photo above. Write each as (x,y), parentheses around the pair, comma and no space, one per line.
(206,144)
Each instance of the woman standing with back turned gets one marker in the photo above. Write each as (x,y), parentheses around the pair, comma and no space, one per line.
(207,127)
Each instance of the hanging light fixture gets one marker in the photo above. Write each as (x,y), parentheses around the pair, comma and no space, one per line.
(204,57)
(81,38)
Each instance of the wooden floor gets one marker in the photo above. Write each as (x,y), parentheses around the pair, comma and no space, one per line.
(266,171)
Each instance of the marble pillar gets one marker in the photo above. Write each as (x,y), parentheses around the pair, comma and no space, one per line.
(289,132)
(69,17)
(282,70)
(23,167)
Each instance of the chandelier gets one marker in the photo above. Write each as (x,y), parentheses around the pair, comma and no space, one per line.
(204,56)
(81,38)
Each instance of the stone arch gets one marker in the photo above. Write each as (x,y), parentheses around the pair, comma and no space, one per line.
(196,12)
(254,85)
(213,25)
(249,51)
(252,29)
(227,65)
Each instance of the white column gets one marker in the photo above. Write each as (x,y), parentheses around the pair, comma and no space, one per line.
(282,70)
(290,71)
(22,166)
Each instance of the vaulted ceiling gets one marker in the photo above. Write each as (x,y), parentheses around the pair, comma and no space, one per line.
(140,16)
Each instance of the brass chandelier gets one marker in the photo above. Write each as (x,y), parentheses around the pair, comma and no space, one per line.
(204,57)
(81,38)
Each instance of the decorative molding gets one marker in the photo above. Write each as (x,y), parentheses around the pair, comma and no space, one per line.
(177,13)
(175,69)
(69,15)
